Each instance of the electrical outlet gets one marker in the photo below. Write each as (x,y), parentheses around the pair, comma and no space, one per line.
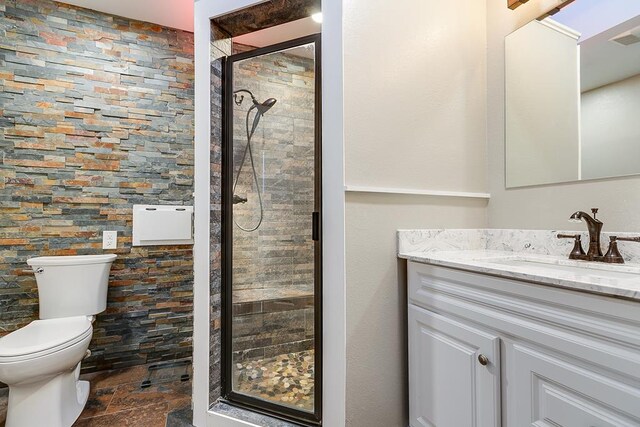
(109,239)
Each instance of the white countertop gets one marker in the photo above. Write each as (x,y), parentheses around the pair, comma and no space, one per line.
(607,279)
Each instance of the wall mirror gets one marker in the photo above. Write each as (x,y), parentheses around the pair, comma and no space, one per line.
(573,94)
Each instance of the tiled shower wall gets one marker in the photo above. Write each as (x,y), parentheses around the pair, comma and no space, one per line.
(273,266)
(96,114)
(279,254)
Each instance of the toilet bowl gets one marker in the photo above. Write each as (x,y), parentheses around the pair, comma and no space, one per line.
(38,362)
(41,361)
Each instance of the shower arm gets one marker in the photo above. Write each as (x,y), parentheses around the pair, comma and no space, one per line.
(255,106)
(235,96)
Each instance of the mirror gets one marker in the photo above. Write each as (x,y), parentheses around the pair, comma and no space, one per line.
(573,94)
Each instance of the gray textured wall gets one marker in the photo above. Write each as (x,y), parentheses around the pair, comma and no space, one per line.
(96,115)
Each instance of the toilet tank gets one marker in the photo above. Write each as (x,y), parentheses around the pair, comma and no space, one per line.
(72,285)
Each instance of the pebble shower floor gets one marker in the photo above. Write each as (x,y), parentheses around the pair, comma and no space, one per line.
(287,379)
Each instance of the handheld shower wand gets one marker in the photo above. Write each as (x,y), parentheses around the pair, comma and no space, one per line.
(261,109)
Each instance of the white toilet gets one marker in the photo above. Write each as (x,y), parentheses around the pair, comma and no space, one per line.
(41,361)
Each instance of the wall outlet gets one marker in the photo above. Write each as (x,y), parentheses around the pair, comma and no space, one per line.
(109,239)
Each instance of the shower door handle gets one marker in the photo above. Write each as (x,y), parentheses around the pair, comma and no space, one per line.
(315,227)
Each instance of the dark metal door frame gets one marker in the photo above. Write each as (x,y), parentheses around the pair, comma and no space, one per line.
(238,399)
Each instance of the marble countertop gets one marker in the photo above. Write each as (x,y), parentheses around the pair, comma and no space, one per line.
(553,270)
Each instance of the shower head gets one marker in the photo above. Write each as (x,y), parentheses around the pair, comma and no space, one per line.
(265,106)
(261,107)
(260,110)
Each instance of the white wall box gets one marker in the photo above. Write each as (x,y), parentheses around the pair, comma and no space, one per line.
(162,225)
(554,357)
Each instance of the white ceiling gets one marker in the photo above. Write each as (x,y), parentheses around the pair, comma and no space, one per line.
(280,33)
(168,13)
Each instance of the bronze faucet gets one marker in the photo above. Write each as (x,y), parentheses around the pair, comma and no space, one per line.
(595,228)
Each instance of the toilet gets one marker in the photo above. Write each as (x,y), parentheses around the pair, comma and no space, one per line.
(41,361)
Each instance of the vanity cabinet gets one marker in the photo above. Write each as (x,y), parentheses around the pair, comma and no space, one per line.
(449,385)
(489,351)
(547,389)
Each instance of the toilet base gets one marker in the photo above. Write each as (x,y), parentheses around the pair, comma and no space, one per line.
(54,402)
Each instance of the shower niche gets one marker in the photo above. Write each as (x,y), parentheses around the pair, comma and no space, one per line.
(271,248)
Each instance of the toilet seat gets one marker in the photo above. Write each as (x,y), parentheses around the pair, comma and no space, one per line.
(42,337)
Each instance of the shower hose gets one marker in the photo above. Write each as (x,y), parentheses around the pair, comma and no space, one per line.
(247,148)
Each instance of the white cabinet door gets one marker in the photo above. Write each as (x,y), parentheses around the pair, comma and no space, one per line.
(448,384)
(545,390)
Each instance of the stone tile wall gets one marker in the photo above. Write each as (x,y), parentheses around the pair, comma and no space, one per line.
(96,114)
(280,252)
(272,326)
(265,15)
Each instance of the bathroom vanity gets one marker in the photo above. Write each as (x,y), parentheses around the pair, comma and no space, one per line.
(505,331)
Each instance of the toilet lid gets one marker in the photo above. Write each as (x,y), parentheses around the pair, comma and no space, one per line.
(42,335)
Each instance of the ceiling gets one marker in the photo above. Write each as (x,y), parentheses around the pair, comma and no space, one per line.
(169,13)
(280,33)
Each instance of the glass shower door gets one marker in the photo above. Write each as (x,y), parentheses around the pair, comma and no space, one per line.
(271,224)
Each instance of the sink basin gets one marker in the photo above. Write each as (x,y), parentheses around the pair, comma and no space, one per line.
(577,268)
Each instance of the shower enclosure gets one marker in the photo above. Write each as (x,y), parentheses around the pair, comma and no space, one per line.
(271,251)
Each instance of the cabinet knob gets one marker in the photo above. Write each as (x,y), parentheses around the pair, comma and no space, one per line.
(484,360)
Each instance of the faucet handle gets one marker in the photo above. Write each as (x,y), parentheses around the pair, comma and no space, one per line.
(577,252)
(613,254)
(569,236)
(626,239)
(594,211)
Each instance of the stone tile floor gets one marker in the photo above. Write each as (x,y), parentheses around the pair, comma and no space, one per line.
(287,379)
(117,399)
